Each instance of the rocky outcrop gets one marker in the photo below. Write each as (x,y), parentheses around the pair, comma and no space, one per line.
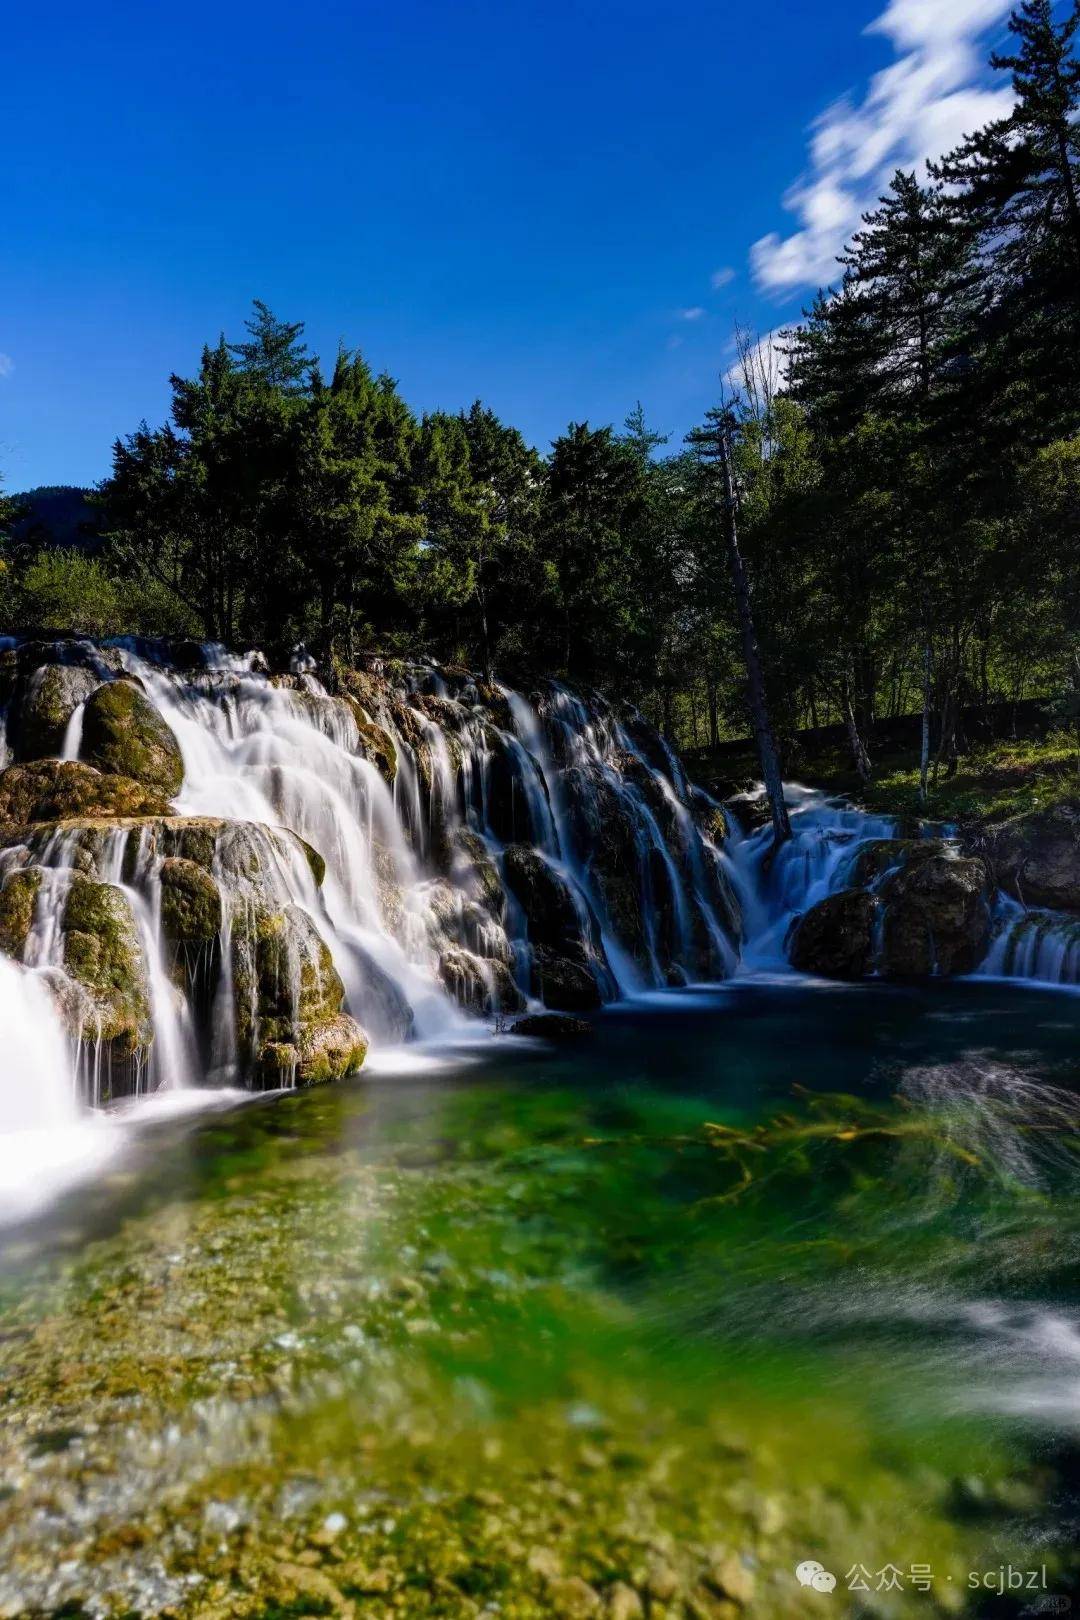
(103,957)
(936,918)
(53,790)
(555,918)
(923,913)
(1036,857)
(481,984)
(552,1026)
(562,984)
(123,735)
(18,898)
(50,696)
(836,937)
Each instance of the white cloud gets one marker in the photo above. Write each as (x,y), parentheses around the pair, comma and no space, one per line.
(722,278)
(7,365)
(694,314)
(916,108)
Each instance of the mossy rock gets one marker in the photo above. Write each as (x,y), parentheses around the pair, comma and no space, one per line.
(376,744)
(103,953)
(480,984)
(835,938)
(191,910)
(562,984)
(285,981)
(330,1050)
(52,694)
(876,859)
(18,899)
(67,790)
(552,1026)
(545,897)
(1036,857)
(124,735)
(937,918)
(473,869)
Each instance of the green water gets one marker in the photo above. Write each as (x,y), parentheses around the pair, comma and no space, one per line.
(752,1277)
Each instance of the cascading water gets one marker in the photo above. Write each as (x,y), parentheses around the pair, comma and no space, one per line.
(408,850)
(401,853)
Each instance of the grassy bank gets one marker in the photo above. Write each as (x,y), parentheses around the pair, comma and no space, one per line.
(994,780)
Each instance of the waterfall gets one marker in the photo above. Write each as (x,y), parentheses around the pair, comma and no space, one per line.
(405,851)
(1040,946)
(826,837)
(400,855)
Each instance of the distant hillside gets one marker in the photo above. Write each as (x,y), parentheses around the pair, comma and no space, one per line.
(59,517)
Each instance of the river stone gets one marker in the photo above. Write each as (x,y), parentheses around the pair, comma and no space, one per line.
(562,984)
(1036,857)
(66,790)
(552,1026)
(52,694)
(124,735)
(882,855)
(18,898)
(835,938)
(937,918)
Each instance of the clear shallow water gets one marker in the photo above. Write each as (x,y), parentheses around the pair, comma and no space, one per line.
(762,1273)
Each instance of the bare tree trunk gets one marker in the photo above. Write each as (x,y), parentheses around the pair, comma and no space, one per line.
(859,757)
(759,710)
(924,761)
(714,717)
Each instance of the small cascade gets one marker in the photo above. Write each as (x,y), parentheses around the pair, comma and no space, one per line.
(1042,947)
(826,837)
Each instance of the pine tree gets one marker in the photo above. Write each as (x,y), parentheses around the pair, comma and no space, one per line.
(274,352)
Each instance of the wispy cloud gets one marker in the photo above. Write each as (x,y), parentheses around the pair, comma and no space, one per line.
(918,107)
(722,278)
(696,313)
(7,365)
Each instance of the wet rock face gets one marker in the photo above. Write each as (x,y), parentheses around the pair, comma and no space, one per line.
(545,897)
(191,910)
(835,938)
(51,790)
(937,918)
(103,955)
(1036,857)
(563,984)
(124,735)
(926,913)
(18,898)
(481,984)
(49,698)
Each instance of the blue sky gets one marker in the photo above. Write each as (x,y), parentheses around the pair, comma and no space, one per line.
(558,208)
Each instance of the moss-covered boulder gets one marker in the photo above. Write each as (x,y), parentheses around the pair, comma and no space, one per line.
(562,984)
(835,938)
(479,984)
(286,991)
(1036,857)
(937,918)
(50,696)
(124,735)
(375,742)
(67,790)
(18,898)
(103,954)
(191,911)
(327,1050)
(883,856)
